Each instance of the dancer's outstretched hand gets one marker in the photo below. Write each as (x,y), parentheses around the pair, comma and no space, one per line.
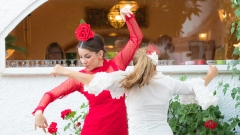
(126,10)
(212,70)
(40,121)
(59,70)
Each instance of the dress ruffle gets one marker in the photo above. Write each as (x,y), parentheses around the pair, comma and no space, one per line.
(103,81)
(202,97)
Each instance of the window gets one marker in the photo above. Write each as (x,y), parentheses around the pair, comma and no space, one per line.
(183,25)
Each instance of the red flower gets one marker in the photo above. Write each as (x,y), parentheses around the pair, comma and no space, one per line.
(65,113)
(83,32)
(210,124)
(78,124)
(52,128)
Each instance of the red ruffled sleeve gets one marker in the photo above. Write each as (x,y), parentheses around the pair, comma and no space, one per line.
(65,88)
(123,58)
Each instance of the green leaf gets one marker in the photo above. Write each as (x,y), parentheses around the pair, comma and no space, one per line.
(67,117)
(237,104)
(220,83)
(17,48)
(237,12)
(183,77)
(224,90)
(82,21)
(233,95)
(76,119)
(234,90)
(228,67)
(232,29)
(235,71)
(226,85)
(238,90)
(73,114)
(205,118)
(9,40)
(202,133)
(238,98)
(67,127)
(236,51)
(215,92)
(182,118)
(220,132)
(83,106)
(237,61)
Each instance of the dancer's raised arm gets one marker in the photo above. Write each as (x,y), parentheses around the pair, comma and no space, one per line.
(123,58)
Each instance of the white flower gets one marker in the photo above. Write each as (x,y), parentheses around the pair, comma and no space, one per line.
(154,57)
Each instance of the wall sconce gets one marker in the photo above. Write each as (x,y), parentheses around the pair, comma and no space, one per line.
(237,45)
(222,14)
(109,46)
(202,36)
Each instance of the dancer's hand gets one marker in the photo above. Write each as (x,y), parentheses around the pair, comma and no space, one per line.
(212,70)
(40,121)
(59,70)
(126,10)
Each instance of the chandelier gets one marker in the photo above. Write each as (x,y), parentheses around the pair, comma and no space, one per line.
(114,16)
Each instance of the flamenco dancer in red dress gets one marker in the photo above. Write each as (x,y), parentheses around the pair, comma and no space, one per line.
(106,116)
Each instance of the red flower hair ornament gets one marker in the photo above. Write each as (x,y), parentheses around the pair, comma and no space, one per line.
(152,53)
(84,32)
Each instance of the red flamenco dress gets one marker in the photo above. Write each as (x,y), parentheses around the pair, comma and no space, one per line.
(106,116)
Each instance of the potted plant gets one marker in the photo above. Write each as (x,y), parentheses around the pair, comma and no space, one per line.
(10,47)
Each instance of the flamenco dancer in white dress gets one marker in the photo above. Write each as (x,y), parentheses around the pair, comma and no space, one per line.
(148,92)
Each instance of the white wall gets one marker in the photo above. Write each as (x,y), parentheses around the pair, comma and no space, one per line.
(20,94)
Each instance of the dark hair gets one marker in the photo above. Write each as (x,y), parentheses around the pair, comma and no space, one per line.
(94,44)
(51,46)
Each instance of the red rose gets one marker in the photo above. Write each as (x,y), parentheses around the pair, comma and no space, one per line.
(65,113)
(206,124)
(213,125)
(210,124)
(78,124)
(83,32)
(52,128)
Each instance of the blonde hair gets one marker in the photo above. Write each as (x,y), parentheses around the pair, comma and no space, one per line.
(143,70)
